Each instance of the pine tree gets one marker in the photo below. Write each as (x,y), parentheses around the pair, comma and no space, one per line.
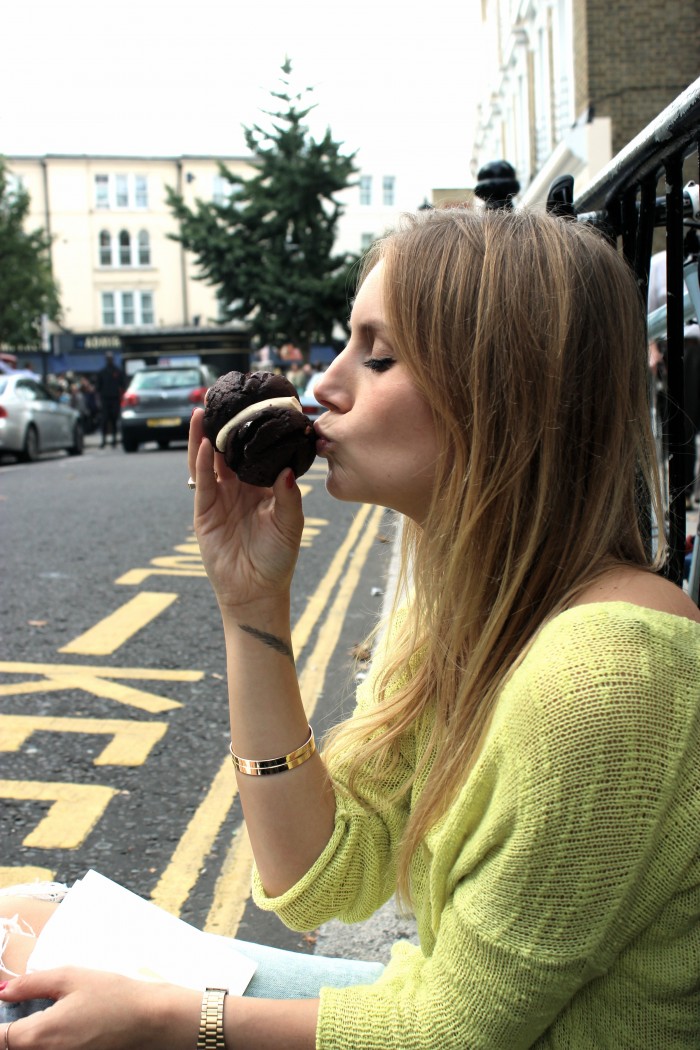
(27,287)
(268,248)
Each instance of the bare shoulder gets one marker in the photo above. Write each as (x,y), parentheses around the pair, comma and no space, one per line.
(640,588)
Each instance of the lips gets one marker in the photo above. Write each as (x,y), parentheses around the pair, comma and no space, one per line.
(322,442)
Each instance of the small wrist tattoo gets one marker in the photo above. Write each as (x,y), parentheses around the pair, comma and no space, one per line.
(278,644)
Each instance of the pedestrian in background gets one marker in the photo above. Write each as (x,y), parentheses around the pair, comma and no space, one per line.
(523,764)
(110,387)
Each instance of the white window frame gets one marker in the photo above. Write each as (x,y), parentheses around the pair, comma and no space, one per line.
(141,191)
(120,191)
(105,248)
(365,190)
(127,308)
(143,248)
(124,248)
(388,190)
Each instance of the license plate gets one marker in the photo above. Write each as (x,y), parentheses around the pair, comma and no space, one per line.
(162,422)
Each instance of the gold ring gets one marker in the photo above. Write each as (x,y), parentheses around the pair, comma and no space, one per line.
(7,1035)
(190,483)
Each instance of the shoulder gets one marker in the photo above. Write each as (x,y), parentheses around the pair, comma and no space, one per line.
(606,673)
(646,590)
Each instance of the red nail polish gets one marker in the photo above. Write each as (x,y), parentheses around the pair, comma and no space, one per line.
(3,986)
(290,480)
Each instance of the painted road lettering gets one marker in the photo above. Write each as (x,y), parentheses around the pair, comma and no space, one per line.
(97,681)
(74,810)
(130,745)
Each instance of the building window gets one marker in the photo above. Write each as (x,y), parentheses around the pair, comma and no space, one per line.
(147,311)
(144,248)
(121,191)
(126,309)
(128,312)
(366,241)
(102,191)
(365,189)
(141,191)
(388,186)
(105,248)
(125,248)
(109,316)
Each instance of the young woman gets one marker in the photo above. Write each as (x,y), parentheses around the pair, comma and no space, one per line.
(523,766)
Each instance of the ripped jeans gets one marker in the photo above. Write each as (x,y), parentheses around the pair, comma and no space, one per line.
(280,974)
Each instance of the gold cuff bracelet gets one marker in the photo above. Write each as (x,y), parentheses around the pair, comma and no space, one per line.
(254,767)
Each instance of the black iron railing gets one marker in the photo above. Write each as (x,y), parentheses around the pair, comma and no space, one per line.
(624,202)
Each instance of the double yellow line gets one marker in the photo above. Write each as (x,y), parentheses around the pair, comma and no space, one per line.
(233,885)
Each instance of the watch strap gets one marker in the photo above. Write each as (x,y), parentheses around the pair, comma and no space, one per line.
(211,1020)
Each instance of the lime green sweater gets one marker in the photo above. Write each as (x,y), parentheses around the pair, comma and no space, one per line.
(558,901)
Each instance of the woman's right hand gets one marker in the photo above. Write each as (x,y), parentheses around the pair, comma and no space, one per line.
(249,537)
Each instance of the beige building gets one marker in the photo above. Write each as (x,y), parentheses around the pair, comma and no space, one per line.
(573,81)
(124,283)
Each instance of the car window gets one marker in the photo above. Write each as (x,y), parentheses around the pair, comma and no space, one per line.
(167,380)
(3,386)
(28,390)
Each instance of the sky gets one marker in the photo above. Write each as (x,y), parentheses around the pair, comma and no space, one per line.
(395,79)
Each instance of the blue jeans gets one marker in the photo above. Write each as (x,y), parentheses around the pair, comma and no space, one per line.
(279,975)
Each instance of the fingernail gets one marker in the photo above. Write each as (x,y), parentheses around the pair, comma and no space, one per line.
(3,986)
(290,480)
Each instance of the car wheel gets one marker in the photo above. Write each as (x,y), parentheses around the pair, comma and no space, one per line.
(163,443)
(129,444)
(76,449)
(30,452)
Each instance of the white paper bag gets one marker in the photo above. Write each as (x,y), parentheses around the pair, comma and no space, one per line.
(102,926)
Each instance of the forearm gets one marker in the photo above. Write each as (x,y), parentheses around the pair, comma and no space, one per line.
(270,1024)
(289,815)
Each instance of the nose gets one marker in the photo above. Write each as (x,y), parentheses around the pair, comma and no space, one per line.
(328,389)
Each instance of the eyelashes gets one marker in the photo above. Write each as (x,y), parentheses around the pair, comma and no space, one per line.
(379,364)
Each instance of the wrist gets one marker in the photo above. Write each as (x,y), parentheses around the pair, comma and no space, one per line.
(274,610)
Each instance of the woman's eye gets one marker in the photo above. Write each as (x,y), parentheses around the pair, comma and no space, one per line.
(379,364)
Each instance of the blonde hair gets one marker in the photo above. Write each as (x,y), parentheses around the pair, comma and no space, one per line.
(525,335)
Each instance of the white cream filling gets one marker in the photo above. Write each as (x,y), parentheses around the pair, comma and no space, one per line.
(253,410)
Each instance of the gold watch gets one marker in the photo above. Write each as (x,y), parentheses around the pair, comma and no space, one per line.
(211,1020)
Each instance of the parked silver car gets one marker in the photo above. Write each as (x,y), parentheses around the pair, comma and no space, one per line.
(159,401)
(33,421)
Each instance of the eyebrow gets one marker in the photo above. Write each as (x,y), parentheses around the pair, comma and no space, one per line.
(374,325)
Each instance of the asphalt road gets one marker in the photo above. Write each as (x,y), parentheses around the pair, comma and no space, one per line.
(113,713)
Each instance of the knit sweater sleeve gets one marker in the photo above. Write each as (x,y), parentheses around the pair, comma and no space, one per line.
(575,830)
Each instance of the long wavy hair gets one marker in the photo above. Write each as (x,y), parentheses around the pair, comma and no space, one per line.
(525,335)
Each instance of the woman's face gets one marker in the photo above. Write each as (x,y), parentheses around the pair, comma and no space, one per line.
(378,435)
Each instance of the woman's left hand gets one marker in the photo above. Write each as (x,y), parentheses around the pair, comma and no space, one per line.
(102,1011)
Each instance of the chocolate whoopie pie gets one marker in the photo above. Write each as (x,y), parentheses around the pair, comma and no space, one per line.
(256,421)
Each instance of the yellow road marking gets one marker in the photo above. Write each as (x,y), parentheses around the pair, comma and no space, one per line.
(176,882)
(15,876)
(232,886)
(134,577)
(116,629)
(227,904)
(130,746)
(97,681)
(180,876)
(74,811)
(178,561)
(317,602)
